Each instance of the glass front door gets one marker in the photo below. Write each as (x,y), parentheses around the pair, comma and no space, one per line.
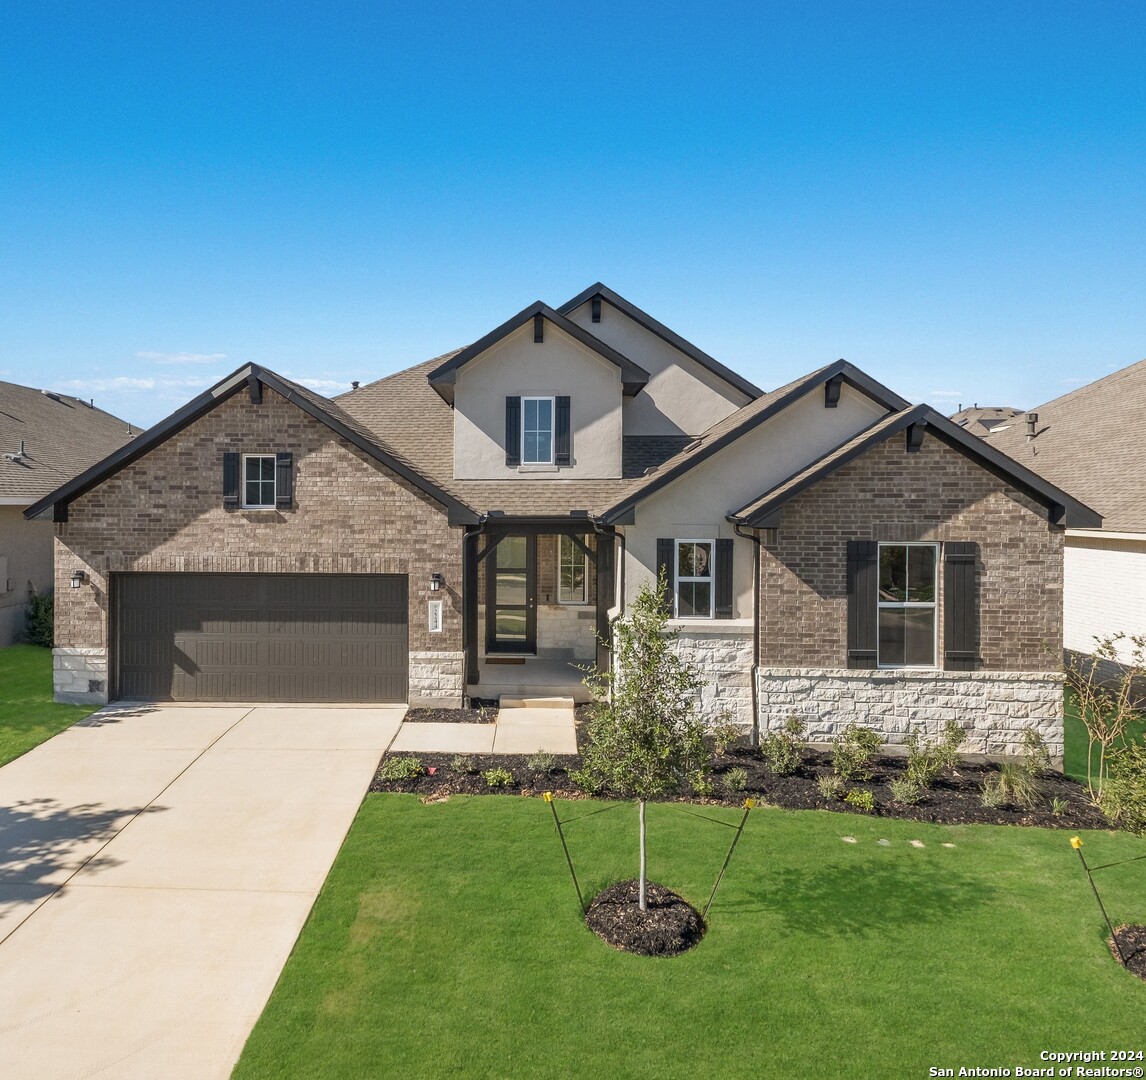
(511,608)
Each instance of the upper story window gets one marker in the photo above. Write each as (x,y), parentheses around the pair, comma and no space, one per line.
(907,626)
(572,572)
(693,584)
(537,431)
(258,481)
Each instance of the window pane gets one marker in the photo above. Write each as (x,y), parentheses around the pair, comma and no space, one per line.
(544,414)
(919,625)
(510,587)
(684,560)
(511,625)
(511,552)
(694,560)
(694,599)
(893,573)
(921,574)
(543,447)
(253,496)
(892,636)
(530,414)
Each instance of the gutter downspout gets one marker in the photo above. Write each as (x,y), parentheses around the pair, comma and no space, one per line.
(755,538)
(466,534)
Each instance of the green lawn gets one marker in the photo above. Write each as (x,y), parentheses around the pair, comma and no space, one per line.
(28,715)
(1074,734)
(447,942)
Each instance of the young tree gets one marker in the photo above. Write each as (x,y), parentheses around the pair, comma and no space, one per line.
(645,738)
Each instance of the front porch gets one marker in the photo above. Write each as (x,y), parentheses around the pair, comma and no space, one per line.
(530,677)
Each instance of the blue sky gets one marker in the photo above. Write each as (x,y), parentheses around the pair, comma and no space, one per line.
(950,195)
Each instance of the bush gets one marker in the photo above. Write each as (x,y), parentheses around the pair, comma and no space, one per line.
(497,778)
(861,800)
(906,791)
(736,780)
(586,780)
(1124,794)
(830,786)
(702,785)
(541,762)
(400,768)
(1013,783)
(463,764)
(725,734)
(949,745)
(852,752)
(781,749)
(992,793)
(39,626)
(925,761)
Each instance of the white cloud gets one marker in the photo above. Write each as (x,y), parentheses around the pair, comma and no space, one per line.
(120,383)
(951,395)
(322,385)
(182,357)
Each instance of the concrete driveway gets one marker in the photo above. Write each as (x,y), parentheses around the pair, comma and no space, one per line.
(156,866)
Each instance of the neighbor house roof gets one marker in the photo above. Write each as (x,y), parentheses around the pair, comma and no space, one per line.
(61,436)
(1091,442)
(920,421)
(643,318)
(981,421)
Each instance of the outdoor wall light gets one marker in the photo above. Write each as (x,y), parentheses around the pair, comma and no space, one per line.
(436,582)
(78,578)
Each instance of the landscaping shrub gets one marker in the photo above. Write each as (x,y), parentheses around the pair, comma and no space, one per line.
(461,763)
(853,751)
(39,625)
(497,778)
(781,749)
(541,762)
(1019,781)
(954,736)
(725,734)
(702,785)
(830,786)
(400,768)
(736,780)
(1124,794)
(905,790)
(926,760)
(860,799)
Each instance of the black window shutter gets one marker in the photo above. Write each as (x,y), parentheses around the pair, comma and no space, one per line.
(284,480)
(664,566)
(960,607)
(563,453)
(513,431)
(724,579)
(230,481)
(863,598)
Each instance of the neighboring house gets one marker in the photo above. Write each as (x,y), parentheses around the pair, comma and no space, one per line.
(1091,441)
(45,439)
(982,421)
(829,549)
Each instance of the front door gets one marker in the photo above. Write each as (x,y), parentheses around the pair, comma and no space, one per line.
(511,596)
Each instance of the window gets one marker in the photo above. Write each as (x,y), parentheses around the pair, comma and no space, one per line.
(693,589)
(572,572)
(537,431)
(258,481)
(906,605)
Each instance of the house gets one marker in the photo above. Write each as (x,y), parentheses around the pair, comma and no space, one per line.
(1090,441)
(829,549)
(982,421)
(45,439)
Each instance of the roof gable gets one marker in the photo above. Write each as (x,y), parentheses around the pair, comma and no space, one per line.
(444,377)
(250,377)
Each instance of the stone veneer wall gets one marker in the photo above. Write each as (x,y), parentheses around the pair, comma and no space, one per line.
(164,513)
(567,631)
(994,707)
(723,652)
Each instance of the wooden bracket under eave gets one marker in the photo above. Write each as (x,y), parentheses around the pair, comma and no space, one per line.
(915,433)
(538,329)
(832,391)
(256,389)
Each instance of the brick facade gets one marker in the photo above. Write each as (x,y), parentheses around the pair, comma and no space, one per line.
(350,515)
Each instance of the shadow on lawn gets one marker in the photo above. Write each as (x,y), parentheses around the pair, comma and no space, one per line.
(851,900)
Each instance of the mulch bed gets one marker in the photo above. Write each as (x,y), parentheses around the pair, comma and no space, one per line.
(668,927)
(1132,942)
(955,798)
(478,713)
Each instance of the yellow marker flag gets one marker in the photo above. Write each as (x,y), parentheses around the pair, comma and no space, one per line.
(749,804)
(1075,842)
(547,796)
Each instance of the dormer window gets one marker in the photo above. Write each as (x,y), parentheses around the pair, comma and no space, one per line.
(537,431)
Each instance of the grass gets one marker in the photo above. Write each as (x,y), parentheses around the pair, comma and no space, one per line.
(28,715)
(1074,735)
(447,942)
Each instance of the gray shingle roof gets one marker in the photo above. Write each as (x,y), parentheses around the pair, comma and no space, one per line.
(62,436)
(1091,443)
(980,421)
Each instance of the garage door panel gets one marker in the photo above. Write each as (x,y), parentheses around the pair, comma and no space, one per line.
(261,637)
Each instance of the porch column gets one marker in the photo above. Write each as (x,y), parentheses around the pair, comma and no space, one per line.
(606,588)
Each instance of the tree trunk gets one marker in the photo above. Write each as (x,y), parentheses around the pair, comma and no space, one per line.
(644,883)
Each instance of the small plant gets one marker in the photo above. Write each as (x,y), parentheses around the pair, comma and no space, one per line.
(1059,806)
(853,751)
(906,791)
(497,778)
(725,734)
(954,736)
(992,795)
(400,768)
(1124,794)
(702,785)
(924,762)
(781,749)
(461,763)
(830,787)
(736,780)
(542,762)
(860,799)
(39,628)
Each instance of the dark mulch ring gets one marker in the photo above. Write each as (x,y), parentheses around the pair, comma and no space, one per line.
(1132,943)
(955,798)
(668,927)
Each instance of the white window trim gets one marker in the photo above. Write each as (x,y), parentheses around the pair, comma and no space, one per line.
(585,578)
(243,483)
(552,428)
(932,605)
(710,578)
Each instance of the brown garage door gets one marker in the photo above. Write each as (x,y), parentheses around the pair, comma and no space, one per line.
(261,637)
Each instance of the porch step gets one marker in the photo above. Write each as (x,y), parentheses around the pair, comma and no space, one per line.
(535,703)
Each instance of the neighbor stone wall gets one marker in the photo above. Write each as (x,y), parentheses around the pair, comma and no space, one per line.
(993,707)
(350,515)
(80,675)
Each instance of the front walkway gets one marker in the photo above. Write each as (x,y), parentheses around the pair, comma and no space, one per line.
(523,726)
(156,867)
